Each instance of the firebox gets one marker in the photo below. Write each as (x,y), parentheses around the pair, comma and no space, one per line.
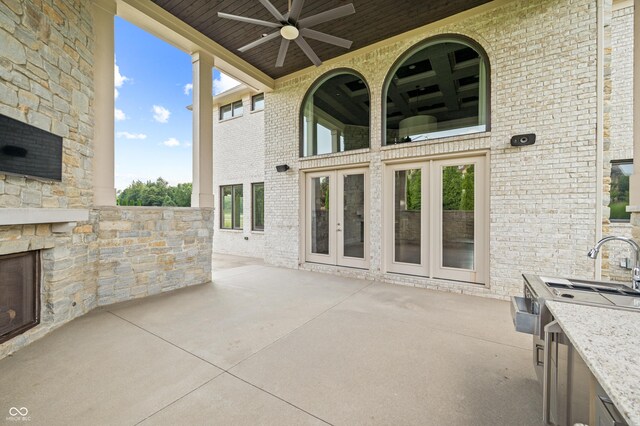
(19,293)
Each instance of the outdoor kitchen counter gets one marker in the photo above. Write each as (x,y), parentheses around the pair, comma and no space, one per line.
(608,340)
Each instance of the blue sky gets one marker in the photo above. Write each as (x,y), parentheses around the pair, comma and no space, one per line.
(153,127)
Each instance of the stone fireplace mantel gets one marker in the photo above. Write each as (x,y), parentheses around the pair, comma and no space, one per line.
(62,220)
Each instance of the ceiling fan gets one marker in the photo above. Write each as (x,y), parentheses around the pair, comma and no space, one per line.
(291,27)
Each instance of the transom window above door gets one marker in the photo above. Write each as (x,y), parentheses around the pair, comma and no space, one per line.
(437,90)
(335,115)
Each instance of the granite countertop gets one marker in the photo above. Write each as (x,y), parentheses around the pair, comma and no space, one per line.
(608,340)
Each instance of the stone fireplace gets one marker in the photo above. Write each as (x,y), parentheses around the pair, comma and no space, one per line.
(19,293)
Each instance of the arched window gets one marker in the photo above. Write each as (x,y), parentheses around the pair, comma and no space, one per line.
(335,115)
(438,89)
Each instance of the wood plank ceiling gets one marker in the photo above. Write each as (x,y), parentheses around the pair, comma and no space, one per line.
(373,21)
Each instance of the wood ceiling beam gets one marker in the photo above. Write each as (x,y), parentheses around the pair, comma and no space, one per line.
(333,102)
(442,66)
(399,100)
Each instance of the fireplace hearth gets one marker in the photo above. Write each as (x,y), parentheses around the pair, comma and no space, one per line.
(19,293)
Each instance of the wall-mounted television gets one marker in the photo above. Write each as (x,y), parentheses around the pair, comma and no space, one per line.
(28,151)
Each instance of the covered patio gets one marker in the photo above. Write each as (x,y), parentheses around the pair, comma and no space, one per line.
(265,345)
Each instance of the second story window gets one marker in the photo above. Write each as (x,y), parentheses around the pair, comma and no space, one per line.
(231,110)
(257,102)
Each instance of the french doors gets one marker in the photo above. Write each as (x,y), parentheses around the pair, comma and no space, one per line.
(435,222)
(336,216)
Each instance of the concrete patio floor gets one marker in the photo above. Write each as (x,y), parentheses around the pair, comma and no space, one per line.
(263,345)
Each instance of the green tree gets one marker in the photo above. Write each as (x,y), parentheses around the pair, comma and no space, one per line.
(414,189)
(468,190)
(451,188)
(158,193)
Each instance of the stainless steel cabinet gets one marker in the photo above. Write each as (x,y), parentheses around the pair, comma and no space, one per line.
(605,412)
(571,394)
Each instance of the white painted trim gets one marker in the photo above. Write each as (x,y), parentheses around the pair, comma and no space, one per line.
(155,20)
(621,4)
(30,216)
(599,130)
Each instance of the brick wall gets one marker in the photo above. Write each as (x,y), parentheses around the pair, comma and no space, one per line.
(542,197)
(621,134)
(238,158)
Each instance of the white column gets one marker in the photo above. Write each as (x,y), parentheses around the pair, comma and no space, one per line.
(202,195)
(104,193)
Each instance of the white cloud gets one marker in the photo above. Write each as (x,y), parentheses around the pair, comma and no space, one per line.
(127,135)
(188,88)
(223,84)
(119,79)
(171,142)
(119,114)
(161,114)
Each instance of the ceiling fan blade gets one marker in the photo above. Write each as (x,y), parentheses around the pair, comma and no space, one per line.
(329,15)
(296,8)
(259,41)
(308,51)
(271,8)
(282,53)
(317,35)
(249,20)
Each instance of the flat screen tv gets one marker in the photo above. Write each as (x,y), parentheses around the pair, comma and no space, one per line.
(28,151)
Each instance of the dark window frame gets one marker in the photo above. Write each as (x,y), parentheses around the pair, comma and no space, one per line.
(234,226)
(442,38)
(231,105)
(253,102)
(311,91)
(253,207)
(615,163)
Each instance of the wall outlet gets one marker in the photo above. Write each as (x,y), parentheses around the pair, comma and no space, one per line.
(625,263)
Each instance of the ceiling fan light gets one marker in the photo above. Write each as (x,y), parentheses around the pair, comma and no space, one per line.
(289,32)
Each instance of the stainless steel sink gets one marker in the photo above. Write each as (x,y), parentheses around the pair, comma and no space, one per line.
(593,292)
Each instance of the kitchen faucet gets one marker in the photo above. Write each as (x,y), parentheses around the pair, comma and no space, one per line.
(635,280)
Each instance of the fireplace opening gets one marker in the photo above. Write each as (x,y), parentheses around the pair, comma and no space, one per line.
(19,293)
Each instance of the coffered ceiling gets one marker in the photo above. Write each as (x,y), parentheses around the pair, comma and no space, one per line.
(374,20)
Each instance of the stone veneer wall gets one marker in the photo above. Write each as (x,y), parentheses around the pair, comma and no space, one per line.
(542,197)
(621,134)
(147,250)
(46,80)
(238,158)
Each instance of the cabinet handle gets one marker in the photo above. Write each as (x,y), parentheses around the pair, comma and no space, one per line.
(539,355)
(549,330)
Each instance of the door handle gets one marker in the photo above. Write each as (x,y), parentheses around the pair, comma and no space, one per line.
(553,328)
